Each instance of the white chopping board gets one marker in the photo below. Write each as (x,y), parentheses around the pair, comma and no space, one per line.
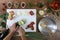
(22,14)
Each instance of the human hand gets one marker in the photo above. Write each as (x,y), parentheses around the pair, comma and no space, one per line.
(21,31)
(13,28)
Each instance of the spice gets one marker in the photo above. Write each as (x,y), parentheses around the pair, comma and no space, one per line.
(16,5)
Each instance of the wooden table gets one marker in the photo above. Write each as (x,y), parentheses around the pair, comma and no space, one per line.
(37,35)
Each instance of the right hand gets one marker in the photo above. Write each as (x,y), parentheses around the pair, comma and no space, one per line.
(21,31)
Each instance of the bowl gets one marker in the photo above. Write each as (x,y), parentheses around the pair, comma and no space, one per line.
(49,26)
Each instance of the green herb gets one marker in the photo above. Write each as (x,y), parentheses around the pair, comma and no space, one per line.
(30,4)
(50,9)
(50,1)
(4,17)
(40,5)
(22,22)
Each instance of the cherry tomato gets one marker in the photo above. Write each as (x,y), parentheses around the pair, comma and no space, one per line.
(31,25)
(32,28)
(31,13)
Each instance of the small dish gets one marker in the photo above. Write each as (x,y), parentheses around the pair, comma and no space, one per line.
(16,5)
(48,27)
(9,5)
(23,4)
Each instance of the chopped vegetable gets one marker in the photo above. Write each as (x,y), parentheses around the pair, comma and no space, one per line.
(31,25)
(22,22)
(11,15)
(33,22)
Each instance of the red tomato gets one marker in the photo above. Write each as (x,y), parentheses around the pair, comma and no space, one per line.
(32,23)
(32,28)
(56,5)
(51,5)
(31,13)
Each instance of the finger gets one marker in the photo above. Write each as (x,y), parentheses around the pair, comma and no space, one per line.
(22,29)
(13,24)
(17,27)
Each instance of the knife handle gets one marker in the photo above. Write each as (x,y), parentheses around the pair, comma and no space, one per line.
(4,34)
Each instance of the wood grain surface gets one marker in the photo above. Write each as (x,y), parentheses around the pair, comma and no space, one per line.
(56,36)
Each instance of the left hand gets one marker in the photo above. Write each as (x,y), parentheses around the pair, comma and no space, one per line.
(13,28)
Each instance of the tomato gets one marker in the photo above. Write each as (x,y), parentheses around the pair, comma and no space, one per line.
(52,5)
(32,28)
(31,13)
(3,4)
(31,25)
(55,5)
